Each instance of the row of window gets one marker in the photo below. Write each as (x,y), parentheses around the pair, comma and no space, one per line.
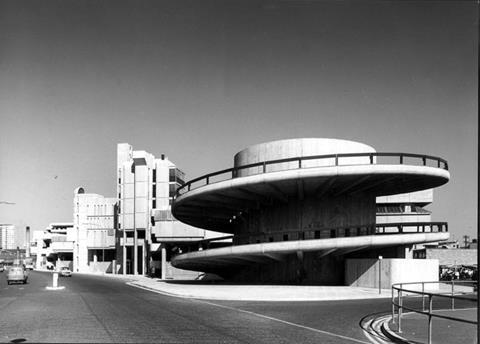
(389,209)
(175,175)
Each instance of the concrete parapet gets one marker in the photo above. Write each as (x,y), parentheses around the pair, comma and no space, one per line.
(368,272)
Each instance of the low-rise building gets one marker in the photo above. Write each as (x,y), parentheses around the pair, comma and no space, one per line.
(93,235)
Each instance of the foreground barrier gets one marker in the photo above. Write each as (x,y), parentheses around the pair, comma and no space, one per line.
(402,289)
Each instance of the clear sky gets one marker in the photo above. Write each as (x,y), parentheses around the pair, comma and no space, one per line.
(201,80)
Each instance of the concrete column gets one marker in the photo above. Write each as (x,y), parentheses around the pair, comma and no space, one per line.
(144,257)
(135,234)
(39,253)
(164,262)
(135,251)
(124,251)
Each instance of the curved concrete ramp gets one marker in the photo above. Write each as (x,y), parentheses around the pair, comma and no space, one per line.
(221,258)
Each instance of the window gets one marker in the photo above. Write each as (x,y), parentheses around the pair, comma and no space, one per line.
(285,237)
(154,203)
(154,175)
(171,174)
(154,190)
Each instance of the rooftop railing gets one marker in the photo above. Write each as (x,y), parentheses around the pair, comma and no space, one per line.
(328,160)
(420,289)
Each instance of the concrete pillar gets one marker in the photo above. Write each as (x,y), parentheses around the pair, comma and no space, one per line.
(114,267)
(124,250)
(135,251)
(164,262)
(39,253)
(144,257)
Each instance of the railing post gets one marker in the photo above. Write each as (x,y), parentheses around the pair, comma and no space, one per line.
(299,162)
(393,306)
(189,186)
(264,167)
(453,287)
(400,305)
(423,296)
(401,159)
(336,159)
(430,299)
(424,159)
(208,180)
(371,159)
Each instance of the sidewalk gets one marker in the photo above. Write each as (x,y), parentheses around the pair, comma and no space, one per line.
(219,291)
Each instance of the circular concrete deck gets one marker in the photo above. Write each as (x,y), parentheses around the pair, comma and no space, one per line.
(213,206)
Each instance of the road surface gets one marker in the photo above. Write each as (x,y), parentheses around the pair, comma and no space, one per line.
(104,309)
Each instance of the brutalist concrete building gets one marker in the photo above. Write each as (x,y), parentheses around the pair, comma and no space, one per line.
(301,209)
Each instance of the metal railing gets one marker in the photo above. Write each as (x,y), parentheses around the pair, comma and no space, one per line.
(331,159)
(429,312)
(329,233)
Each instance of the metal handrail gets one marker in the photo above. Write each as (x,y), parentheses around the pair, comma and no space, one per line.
(451,295)
(440,163)
(331,232)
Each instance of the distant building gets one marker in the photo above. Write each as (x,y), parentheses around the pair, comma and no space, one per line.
(53,245)
(7,237)
(404,208)
(94,226)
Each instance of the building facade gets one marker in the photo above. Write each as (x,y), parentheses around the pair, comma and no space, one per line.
(148,233)
(54,245)
(94,232)
(7,237)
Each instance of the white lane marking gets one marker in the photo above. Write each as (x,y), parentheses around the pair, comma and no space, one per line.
(285,322)
(252,313)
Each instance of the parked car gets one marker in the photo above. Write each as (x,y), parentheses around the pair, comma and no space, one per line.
(17,274)
(49,266)
(65,271)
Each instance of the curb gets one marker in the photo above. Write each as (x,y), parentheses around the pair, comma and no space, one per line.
(392,335)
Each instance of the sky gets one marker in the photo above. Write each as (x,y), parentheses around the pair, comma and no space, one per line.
(201,80)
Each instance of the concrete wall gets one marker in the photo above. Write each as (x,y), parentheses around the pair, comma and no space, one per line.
(454,256)
(283,149)
(365,272)
(422,197)
(101,267)
(308,214)
(300,268)
(93,226)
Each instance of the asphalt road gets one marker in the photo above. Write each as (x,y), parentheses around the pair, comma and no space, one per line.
(105,309)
